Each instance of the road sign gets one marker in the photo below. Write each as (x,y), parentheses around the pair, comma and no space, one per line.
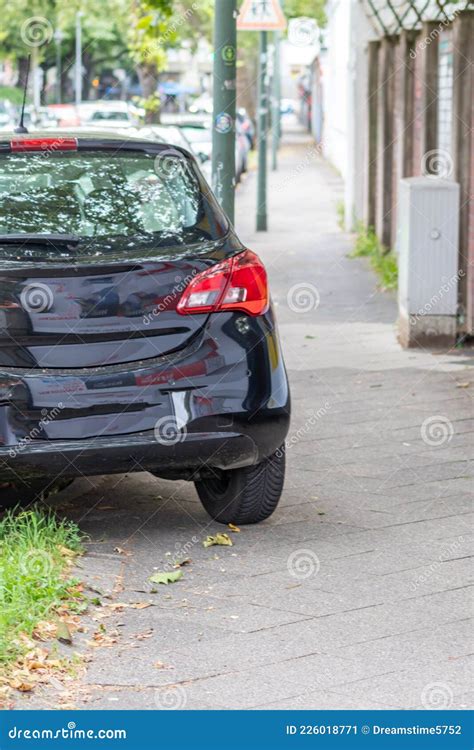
(303,32)
(261,15)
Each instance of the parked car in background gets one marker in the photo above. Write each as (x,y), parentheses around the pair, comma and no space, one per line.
(7,115)
(246,125)
(166,134)
(202,105)
(107,114)
(200,138)
(199,135)
(66,115)
(176,136)
(243,146)
(137,331)
(39,118)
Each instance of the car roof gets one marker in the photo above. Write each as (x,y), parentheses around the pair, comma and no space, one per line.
(95,139)
(82,133)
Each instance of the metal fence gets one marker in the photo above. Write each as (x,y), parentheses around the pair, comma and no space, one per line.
(389,17)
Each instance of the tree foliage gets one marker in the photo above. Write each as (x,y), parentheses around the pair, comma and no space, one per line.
(309,8)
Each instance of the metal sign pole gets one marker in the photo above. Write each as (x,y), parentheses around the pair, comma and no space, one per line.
(262,16)
(276,95)
(262,136)
(223,131)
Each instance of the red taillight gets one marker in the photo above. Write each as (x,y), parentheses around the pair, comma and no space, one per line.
(239,283)
(43,144)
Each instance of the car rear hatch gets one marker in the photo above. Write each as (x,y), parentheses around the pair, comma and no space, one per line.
(85,316)
(98,241)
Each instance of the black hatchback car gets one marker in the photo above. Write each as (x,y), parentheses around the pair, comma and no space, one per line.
(136,331)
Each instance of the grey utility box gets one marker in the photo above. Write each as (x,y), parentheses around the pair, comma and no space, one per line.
(427,243)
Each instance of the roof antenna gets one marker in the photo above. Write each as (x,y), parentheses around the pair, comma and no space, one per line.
(21,128)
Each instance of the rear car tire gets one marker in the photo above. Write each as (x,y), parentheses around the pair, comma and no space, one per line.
(246,495)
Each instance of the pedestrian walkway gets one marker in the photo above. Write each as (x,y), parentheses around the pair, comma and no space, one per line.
(354,594)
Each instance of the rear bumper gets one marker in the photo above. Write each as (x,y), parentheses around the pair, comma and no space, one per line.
(227,393)
(192,454)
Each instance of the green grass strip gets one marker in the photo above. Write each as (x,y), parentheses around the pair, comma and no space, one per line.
(36,550)
(383,261)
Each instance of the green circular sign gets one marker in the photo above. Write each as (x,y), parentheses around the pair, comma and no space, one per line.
(228,53)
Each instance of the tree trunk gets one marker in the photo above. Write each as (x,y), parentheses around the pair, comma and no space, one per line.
(43,94)
(88,65)
(148,76)
(22,68)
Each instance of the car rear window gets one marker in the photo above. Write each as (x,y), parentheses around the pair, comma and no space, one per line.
(105,115)
(106,194)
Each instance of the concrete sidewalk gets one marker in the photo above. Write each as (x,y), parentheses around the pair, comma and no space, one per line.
(354,594)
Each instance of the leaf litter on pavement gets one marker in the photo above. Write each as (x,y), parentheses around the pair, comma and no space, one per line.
(40,665)
(220,539)
(167,577)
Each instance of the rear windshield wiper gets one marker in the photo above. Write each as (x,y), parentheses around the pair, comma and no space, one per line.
(39,239)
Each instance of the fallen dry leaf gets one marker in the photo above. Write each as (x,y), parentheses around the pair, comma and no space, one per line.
(223,540)
(103,639)
(143,636)
(44,631)
(234,528)
(22,685)
(116,605)
(63,634)
(162,665)
(22,680)
(65,551)
(166,578)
